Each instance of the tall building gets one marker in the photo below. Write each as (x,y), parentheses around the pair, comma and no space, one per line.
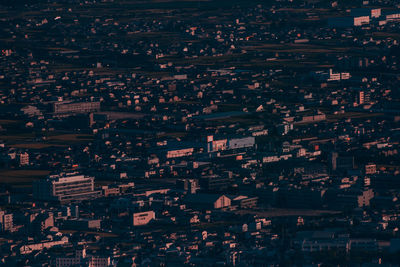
(360,97)
(6,221)
(23,159)
(370,168)
(65,188)
(188,185)
(332,160)
(363,97)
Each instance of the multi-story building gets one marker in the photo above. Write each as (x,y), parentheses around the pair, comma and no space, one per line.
(370,168)
(6,221)
(370,12)
(176,153)
(23,159)
(29,248)
(214,183)
(65,188)
(83,259)
(143,218)
(349,21)
(188,185)
(66,107)
(228,144)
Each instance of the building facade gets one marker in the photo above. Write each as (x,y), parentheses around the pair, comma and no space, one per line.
(65,188)
(65,107)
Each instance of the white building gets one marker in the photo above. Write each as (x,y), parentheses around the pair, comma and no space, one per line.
(6,221)
(26,249)
(345,22)
(177,153)
(23,159)
(65,188)
(394,16)
(143,218)
(370,12)
(82,259)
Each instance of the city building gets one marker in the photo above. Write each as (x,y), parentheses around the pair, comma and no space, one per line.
(6,221)
(143,218)
(65,187)
(69,107)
